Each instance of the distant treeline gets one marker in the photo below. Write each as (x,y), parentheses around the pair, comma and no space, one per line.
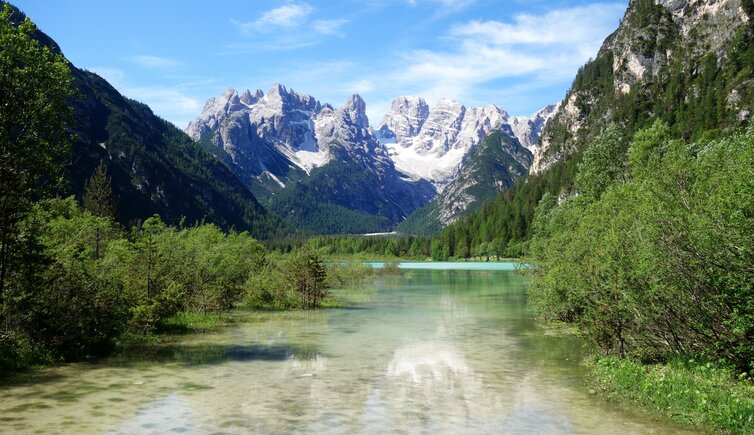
(414,247)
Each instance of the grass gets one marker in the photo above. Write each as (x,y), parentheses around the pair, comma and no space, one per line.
(193,321)
(685,391)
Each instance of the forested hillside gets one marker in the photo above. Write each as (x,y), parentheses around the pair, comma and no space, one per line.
(680,62)
(155,167)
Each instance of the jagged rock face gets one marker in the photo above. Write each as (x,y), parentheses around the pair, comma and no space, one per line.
(215,110)
(431,144)
(644,45)
(405,119)
(276,140)
(528,129)
(255,129)
(640,46)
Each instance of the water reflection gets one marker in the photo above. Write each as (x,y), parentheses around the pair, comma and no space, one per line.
(452,351)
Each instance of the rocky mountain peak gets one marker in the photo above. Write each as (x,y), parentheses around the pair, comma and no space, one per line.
(281,99)
(405,118)
(215,110)
(528,128)
(355,109)
(248,98)
(442,126)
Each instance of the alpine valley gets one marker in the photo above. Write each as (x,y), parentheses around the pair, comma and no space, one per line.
(326,170)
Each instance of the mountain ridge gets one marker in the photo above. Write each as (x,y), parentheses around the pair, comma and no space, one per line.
(282,140)
(155,167)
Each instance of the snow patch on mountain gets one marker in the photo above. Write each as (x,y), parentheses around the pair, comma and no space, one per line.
(431,143)
(528,128)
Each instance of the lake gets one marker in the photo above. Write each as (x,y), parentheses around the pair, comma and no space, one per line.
(431,350)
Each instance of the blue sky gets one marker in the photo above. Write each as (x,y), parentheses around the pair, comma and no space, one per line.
(174,55)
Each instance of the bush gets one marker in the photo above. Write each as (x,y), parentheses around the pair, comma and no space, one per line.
(659,263)
(341,274)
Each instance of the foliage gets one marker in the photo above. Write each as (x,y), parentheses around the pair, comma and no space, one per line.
(190,321)
(603,163)
(98,193)
(83,282)
(372,247)
(343,273)
(34,84)
(307,277)
(683,390)
(390,268)
(660,263)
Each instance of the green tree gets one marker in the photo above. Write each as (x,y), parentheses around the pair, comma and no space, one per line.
(98,193)
(34,116)
(647,148)
(660,265)
(308,277)
(98,200)
(604,163)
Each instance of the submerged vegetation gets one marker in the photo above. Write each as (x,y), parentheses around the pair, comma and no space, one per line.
(72,279)
(84,281)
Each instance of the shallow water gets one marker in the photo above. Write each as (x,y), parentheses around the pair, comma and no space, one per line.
(427,351)
(452,265)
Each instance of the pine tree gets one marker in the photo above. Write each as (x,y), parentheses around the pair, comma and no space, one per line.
(98,193)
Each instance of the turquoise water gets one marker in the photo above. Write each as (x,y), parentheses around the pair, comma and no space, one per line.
(452,265)
(425,351)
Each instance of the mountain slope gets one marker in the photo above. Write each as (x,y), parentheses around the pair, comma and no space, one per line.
(432,144)
(446,145)
(155,167)
(320,167)
(493,165)
(689,63)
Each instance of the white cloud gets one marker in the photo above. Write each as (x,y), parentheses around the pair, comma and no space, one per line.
(359,86)
(113,76)
(284,17)
(579,25)
(173,103)
(540,49)
(156,62)
(287,27)
(329,27)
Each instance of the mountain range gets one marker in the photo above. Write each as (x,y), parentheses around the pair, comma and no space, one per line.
(250,157)
(324,169)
